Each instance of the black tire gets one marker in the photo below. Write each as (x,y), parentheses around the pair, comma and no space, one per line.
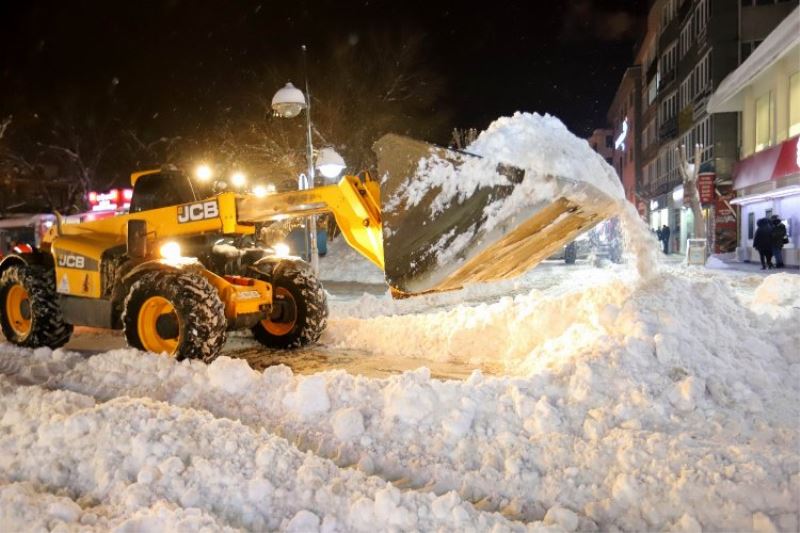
(200,314)
(47,326)
(295,283)
(571,253)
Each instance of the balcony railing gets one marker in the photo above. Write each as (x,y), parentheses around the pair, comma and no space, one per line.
(700,102)
(668,129)
(666,78)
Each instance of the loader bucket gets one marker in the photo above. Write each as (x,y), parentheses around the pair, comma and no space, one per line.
(440,234)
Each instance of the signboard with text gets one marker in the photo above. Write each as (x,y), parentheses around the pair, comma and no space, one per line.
(705,186)
(725,226)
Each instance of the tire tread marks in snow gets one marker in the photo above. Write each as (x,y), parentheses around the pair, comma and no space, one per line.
(312,307)
(200,311)
(47,321)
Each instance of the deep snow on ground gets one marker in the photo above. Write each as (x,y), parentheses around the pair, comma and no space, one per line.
(641,404)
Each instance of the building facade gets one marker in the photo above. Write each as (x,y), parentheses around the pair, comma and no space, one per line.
(689,47)
(602,142)
(765,91)
(623,116)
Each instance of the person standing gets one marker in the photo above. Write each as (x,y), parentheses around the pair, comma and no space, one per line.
(762,241)
(665,238)
(779,238)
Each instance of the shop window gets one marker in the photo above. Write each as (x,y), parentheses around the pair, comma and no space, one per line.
(794,104)
(764,111)
(751,225)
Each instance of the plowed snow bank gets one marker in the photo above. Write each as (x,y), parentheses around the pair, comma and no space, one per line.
(662,406)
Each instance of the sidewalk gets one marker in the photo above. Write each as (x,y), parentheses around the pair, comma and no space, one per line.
(716,262)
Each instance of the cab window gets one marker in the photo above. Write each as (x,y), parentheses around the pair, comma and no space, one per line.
(153,191)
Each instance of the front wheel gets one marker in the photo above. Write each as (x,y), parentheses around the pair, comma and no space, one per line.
(176,313)
(30,314)
(300,308)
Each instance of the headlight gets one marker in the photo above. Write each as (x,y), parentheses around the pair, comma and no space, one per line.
(262,190)
(170,250)
(281,250)
(238,179)
(203,172)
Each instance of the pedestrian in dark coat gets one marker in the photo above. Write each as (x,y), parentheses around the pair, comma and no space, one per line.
(779,238)
(762,241)
(665,238)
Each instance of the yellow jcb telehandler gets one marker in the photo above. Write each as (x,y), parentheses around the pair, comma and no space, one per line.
(159,273)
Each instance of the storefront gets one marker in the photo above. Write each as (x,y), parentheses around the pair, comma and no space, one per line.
(768,183)
(659,212)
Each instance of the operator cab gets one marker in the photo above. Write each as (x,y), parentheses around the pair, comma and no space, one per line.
(165,188)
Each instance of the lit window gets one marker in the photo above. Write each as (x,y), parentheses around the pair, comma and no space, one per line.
(764,109)
(794,104)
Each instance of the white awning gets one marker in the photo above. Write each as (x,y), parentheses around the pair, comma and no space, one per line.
(780,42)
(791,190)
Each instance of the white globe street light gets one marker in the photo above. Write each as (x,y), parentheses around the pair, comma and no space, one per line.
(330,163)
(289,101)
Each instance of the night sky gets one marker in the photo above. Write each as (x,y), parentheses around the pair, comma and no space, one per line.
(180,57)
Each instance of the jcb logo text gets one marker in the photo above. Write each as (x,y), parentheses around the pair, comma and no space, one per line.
(71,261)
(198,211)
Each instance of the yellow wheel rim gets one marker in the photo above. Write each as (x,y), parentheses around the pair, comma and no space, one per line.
(281,328)
(147,325)
(18,310)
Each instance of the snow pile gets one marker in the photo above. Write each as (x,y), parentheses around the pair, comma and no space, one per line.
(542,145)
(664,406)
(343,263)
(138,464)
(777,294)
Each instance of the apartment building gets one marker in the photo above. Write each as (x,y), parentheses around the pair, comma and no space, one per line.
(602,142)
(765,91)
(624,115)
(689,47)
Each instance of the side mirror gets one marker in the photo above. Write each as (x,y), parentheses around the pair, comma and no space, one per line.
(137,239)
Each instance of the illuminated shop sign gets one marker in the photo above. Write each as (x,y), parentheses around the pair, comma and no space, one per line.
(619,144)
(113,200)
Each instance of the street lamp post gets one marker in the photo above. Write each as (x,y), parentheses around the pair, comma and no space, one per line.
(289,102)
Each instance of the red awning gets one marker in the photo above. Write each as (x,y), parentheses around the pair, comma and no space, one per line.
(770,164)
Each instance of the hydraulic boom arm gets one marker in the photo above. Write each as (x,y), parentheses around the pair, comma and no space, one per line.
(354,204)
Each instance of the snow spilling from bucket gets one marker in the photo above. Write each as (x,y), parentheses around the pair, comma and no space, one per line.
(640,244)
(542,145)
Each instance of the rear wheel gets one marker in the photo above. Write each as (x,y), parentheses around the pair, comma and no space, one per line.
(300,308)
(29,311)
(176,313)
